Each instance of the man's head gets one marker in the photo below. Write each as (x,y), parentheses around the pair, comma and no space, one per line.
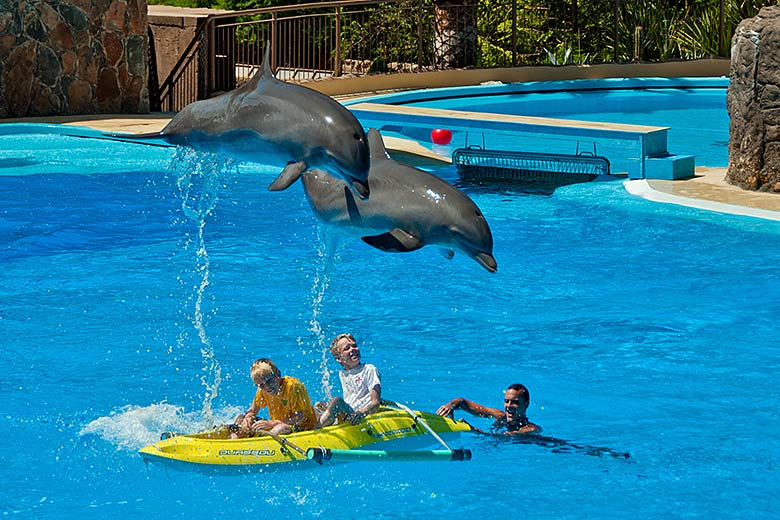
(346,351)
(516,401)
(266,376)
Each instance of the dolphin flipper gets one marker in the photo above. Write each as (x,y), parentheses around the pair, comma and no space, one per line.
(449,254)
(394,241)
(291,173)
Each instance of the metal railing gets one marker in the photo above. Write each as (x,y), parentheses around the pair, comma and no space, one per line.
(359,37)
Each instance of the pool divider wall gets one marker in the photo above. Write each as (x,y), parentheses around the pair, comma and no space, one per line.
(651,160)
(429,94)
(669,168)
(640,142)
(365,85)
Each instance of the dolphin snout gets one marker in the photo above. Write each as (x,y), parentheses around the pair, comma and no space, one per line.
(486,260)
(355,177)
(361,188)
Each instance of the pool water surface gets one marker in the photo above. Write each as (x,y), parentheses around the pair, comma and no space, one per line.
(138,284)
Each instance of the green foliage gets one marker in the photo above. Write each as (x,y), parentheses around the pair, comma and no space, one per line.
(182,3)
(557,32)
(492,55)
(238,5)
(231,5)
(698,35)
(494,27)
(566,56)
(645,31)
(386,32)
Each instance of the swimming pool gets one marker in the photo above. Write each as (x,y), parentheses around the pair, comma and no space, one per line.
(693,110)
(136,287)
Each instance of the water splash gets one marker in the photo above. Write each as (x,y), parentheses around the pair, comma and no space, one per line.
(327,253)
(198,181)
(133,427)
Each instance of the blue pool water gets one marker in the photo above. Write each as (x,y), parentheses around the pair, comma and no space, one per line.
(138,284)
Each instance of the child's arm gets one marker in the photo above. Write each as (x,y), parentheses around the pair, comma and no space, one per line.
(249,416)
(294,415)
(280,427)
(376,399)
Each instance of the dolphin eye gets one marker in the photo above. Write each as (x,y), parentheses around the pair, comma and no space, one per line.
(356,136)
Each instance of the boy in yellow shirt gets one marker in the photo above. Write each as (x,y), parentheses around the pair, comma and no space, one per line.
(286,398)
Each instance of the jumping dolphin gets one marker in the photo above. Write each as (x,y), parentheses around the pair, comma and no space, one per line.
(408,209)
(272,122)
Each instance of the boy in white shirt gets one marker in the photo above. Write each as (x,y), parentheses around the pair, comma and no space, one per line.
(360,383)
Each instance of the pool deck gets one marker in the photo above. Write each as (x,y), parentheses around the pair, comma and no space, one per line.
(707,190)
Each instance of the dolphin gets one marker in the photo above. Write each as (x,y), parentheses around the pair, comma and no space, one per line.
(272,122)
(408,209)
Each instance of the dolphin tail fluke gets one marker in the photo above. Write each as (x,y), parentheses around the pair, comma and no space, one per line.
(395,241)
(291,173)
(376,145)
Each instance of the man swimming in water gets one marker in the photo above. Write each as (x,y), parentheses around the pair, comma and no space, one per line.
(511,419)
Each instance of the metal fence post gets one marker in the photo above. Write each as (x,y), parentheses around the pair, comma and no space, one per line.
(514,33)
(210,52)
(722,29)
(337,65)
(616,40)
(419,35)
(274,43)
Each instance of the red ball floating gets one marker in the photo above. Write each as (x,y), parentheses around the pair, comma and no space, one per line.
(441,136)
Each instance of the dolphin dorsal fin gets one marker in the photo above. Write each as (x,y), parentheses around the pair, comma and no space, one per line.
(264,72)
(376,145)
(267,60)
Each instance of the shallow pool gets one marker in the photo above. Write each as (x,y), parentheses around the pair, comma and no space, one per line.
(135,290)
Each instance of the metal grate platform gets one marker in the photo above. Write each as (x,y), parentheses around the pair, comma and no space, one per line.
(474,162)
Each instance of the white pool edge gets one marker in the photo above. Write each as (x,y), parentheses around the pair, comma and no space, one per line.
(641,188)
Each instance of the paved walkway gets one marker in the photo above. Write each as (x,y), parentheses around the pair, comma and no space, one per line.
(708,190)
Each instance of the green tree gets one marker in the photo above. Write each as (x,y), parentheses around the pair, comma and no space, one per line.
(182,3)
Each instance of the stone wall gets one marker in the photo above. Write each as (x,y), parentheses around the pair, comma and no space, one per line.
(754,103)
(73,57)
(173,28)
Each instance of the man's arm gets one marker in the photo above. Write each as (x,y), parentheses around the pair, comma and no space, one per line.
(459,403)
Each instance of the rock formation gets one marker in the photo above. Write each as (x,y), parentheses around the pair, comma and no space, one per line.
(73,57)
(754,103)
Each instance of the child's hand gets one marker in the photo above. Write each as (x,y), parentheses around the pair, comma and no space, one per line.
(356,416)
(262,424)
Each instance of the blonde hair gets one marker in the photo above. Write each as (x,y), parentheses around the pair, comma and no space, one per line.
(334,344)
(262,366)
